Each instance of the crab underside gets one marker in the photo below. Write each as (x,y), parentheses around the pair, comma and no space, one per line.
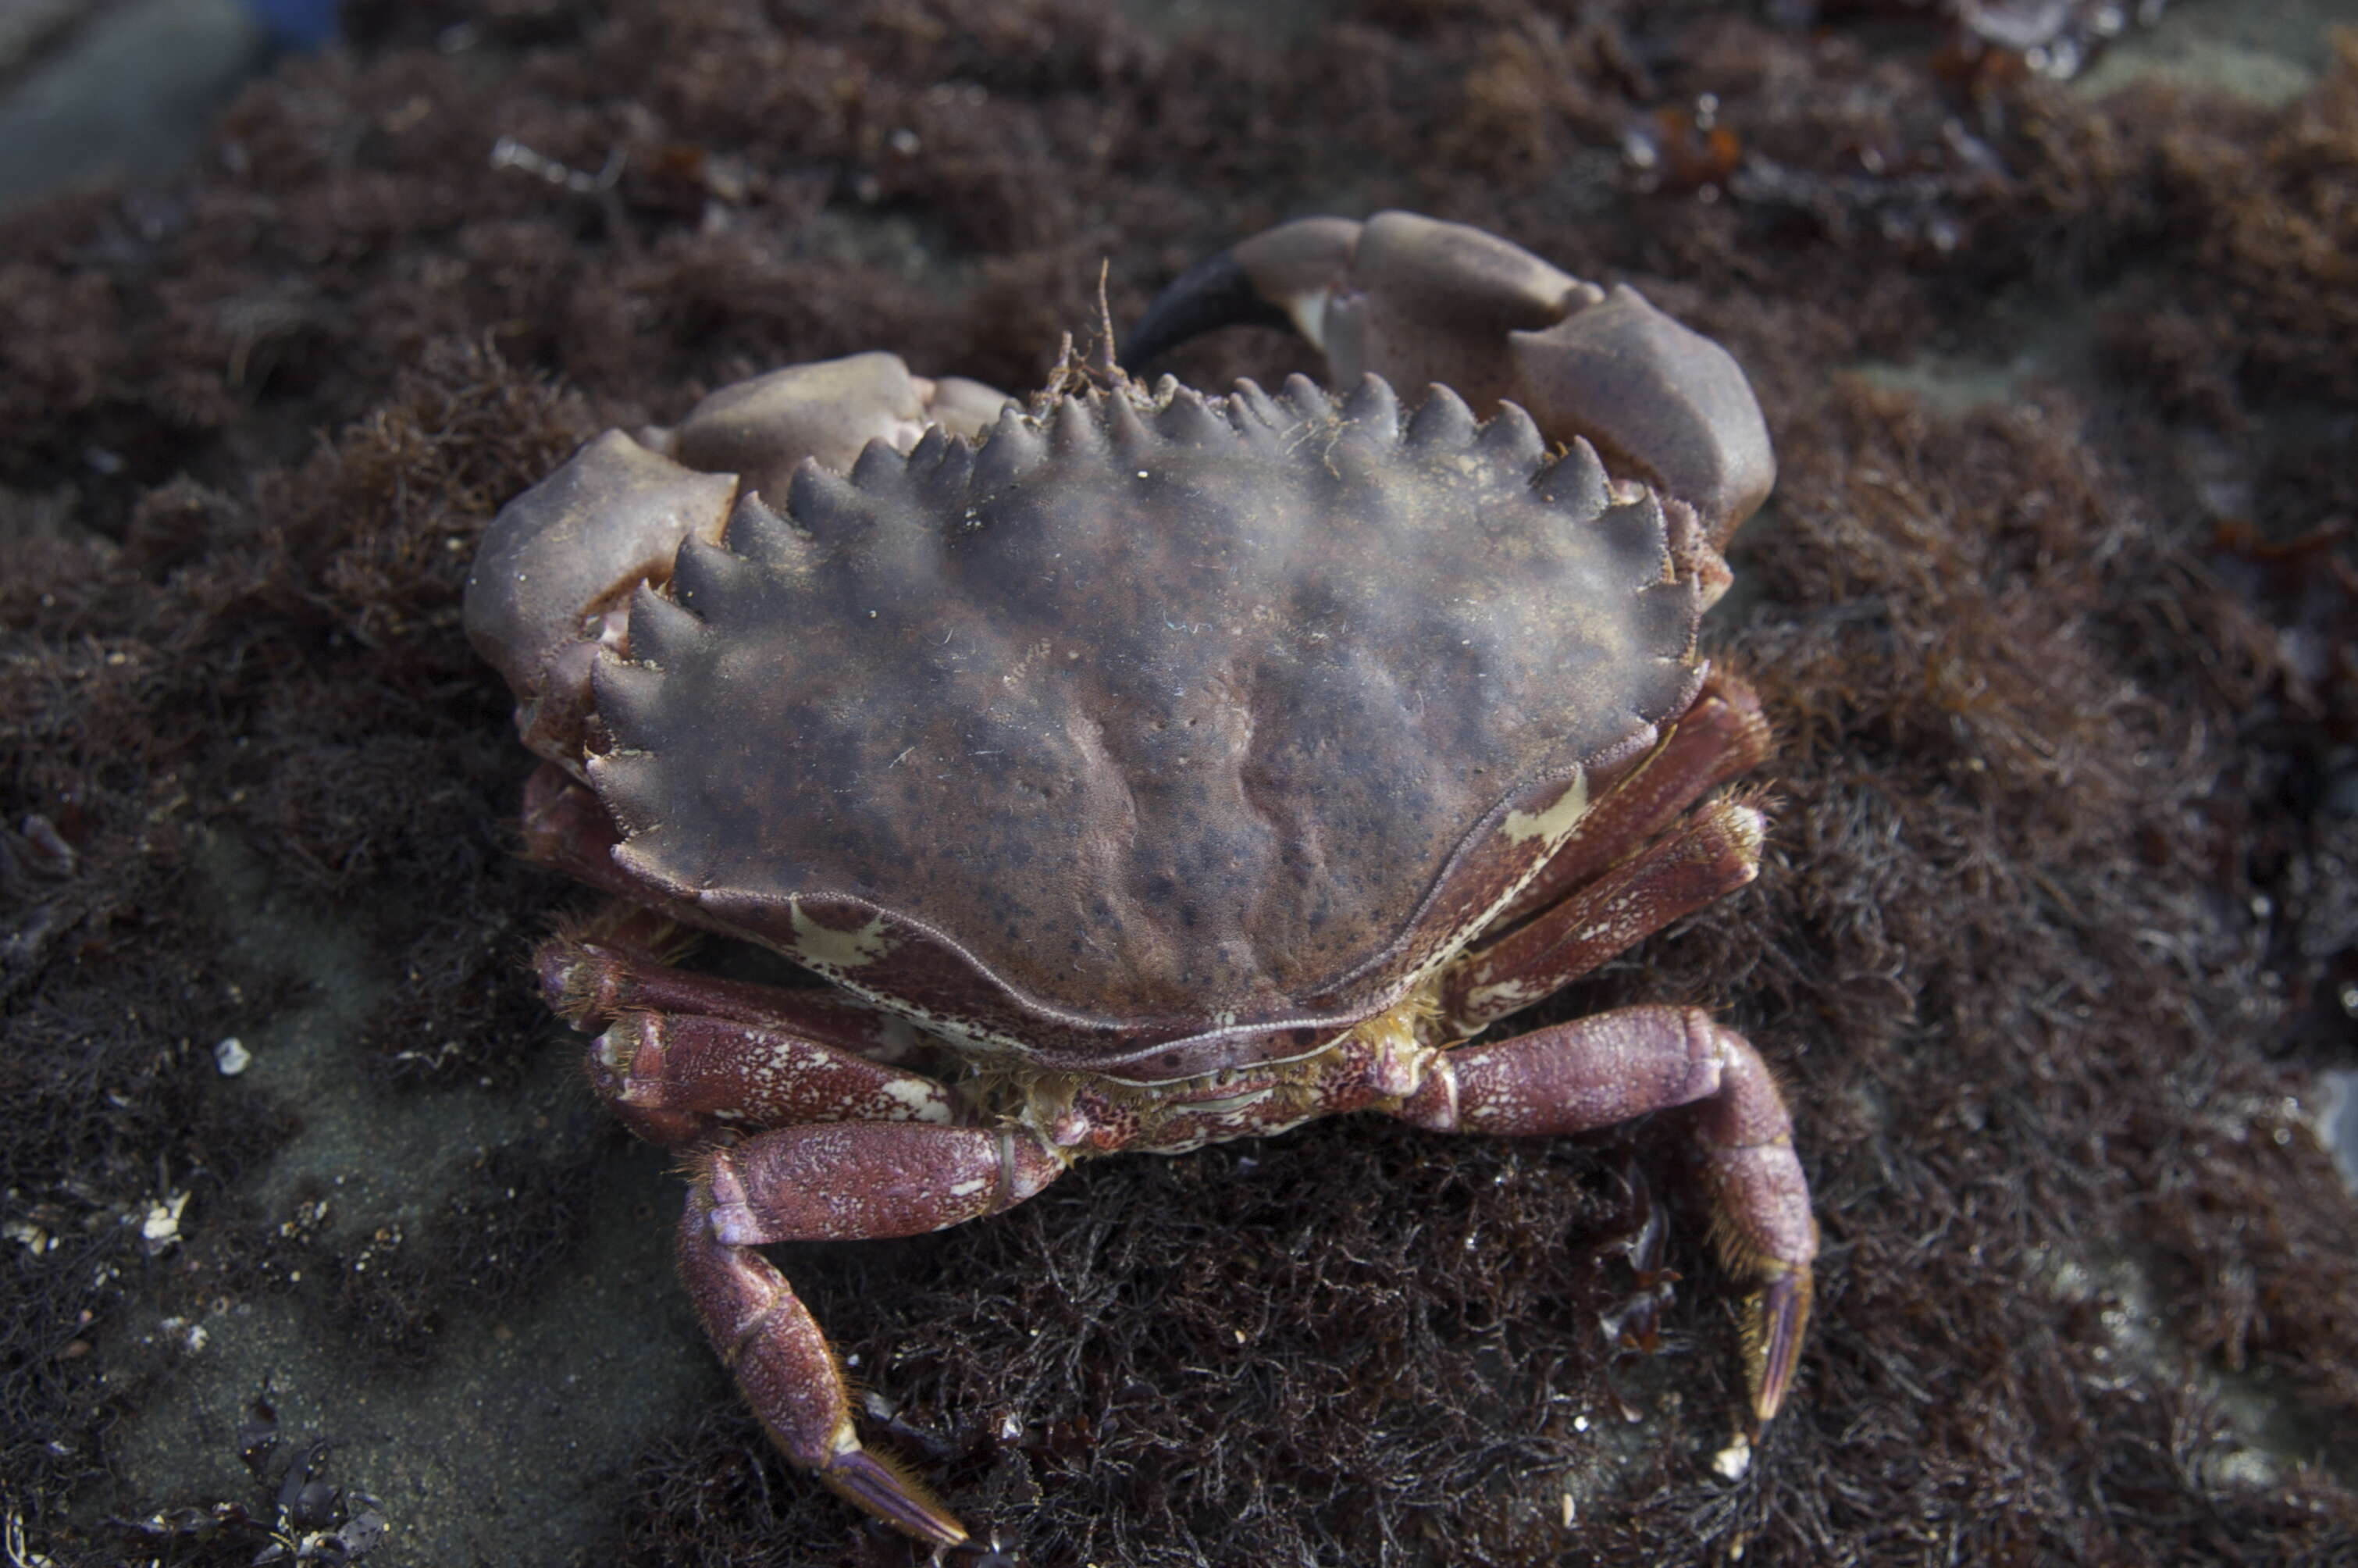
(1159,768)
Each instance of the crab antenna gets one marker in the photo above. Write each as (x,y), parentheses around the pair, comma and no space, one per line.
(1105,323)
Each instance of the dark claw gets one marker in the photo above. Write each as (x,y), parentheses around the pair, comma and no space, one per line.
(1417,301)
(1216,292)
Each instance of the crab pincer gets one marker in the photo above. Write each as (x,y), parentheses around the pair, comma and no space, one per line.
(1422,302)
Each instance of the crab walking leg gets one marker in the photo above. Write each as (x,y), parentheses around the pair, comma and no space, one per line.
(834,1182)
(1714,852)
(853,1181)
(1595,1071)
(683,1056)
(590,981)
(788,1374)
(679,1077)
(1722,735)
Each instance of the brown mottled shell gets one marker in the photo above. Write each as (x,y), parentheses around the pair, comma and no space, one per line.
(1154,735)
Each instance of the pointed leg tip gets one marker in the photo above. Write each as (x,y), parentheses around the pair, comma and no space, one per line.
(881,1488)
(1781,1318)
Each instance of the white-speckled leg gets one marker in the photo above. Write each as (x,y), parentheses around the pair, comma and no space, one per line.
(1722,736)
(852,1181)
(1716,850)
(685,1058)
(677,1078)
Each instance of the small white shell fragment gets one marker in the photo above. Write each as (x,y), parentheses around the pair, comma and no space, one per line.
(162,1225)
(1731,1462)
(232,1056)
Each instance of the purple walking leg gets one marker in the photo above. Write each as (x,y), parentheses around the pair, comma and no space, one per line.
(834,1181)
(1595,1071)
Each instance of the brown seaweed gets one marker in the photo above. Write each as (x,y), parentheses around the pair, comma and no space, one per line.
(2055,932)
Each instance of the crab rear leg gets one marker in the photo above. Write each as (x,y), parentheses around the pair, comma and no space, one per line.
(1722,735)
(1595,1071)
(1713,853)
(837,1182)
(590,978)
(687,1059)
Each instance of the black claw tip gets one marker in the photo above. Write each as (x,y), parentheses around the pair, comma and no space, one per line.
(1212,294)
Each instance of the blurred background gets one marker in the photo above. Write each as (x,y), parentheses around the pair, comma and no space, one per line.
(90,90)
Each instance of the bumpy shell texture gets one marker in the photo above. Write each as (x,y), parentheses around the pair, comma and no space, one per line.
(1155,734)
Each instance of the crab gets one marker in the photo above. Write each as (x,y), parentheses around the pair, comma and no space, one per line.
(1156,767)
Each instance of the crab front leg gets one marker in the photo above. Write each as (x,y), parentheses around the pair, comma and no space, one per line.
(1416,301)
(1596,1072)
(836,1182)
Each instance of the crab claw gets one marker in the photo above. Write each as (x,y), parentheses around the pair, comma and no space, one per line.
(553,579)
(1418,301)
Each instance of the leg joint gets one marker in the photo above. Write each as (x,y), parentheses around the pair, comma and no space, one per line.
(1433,1103)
